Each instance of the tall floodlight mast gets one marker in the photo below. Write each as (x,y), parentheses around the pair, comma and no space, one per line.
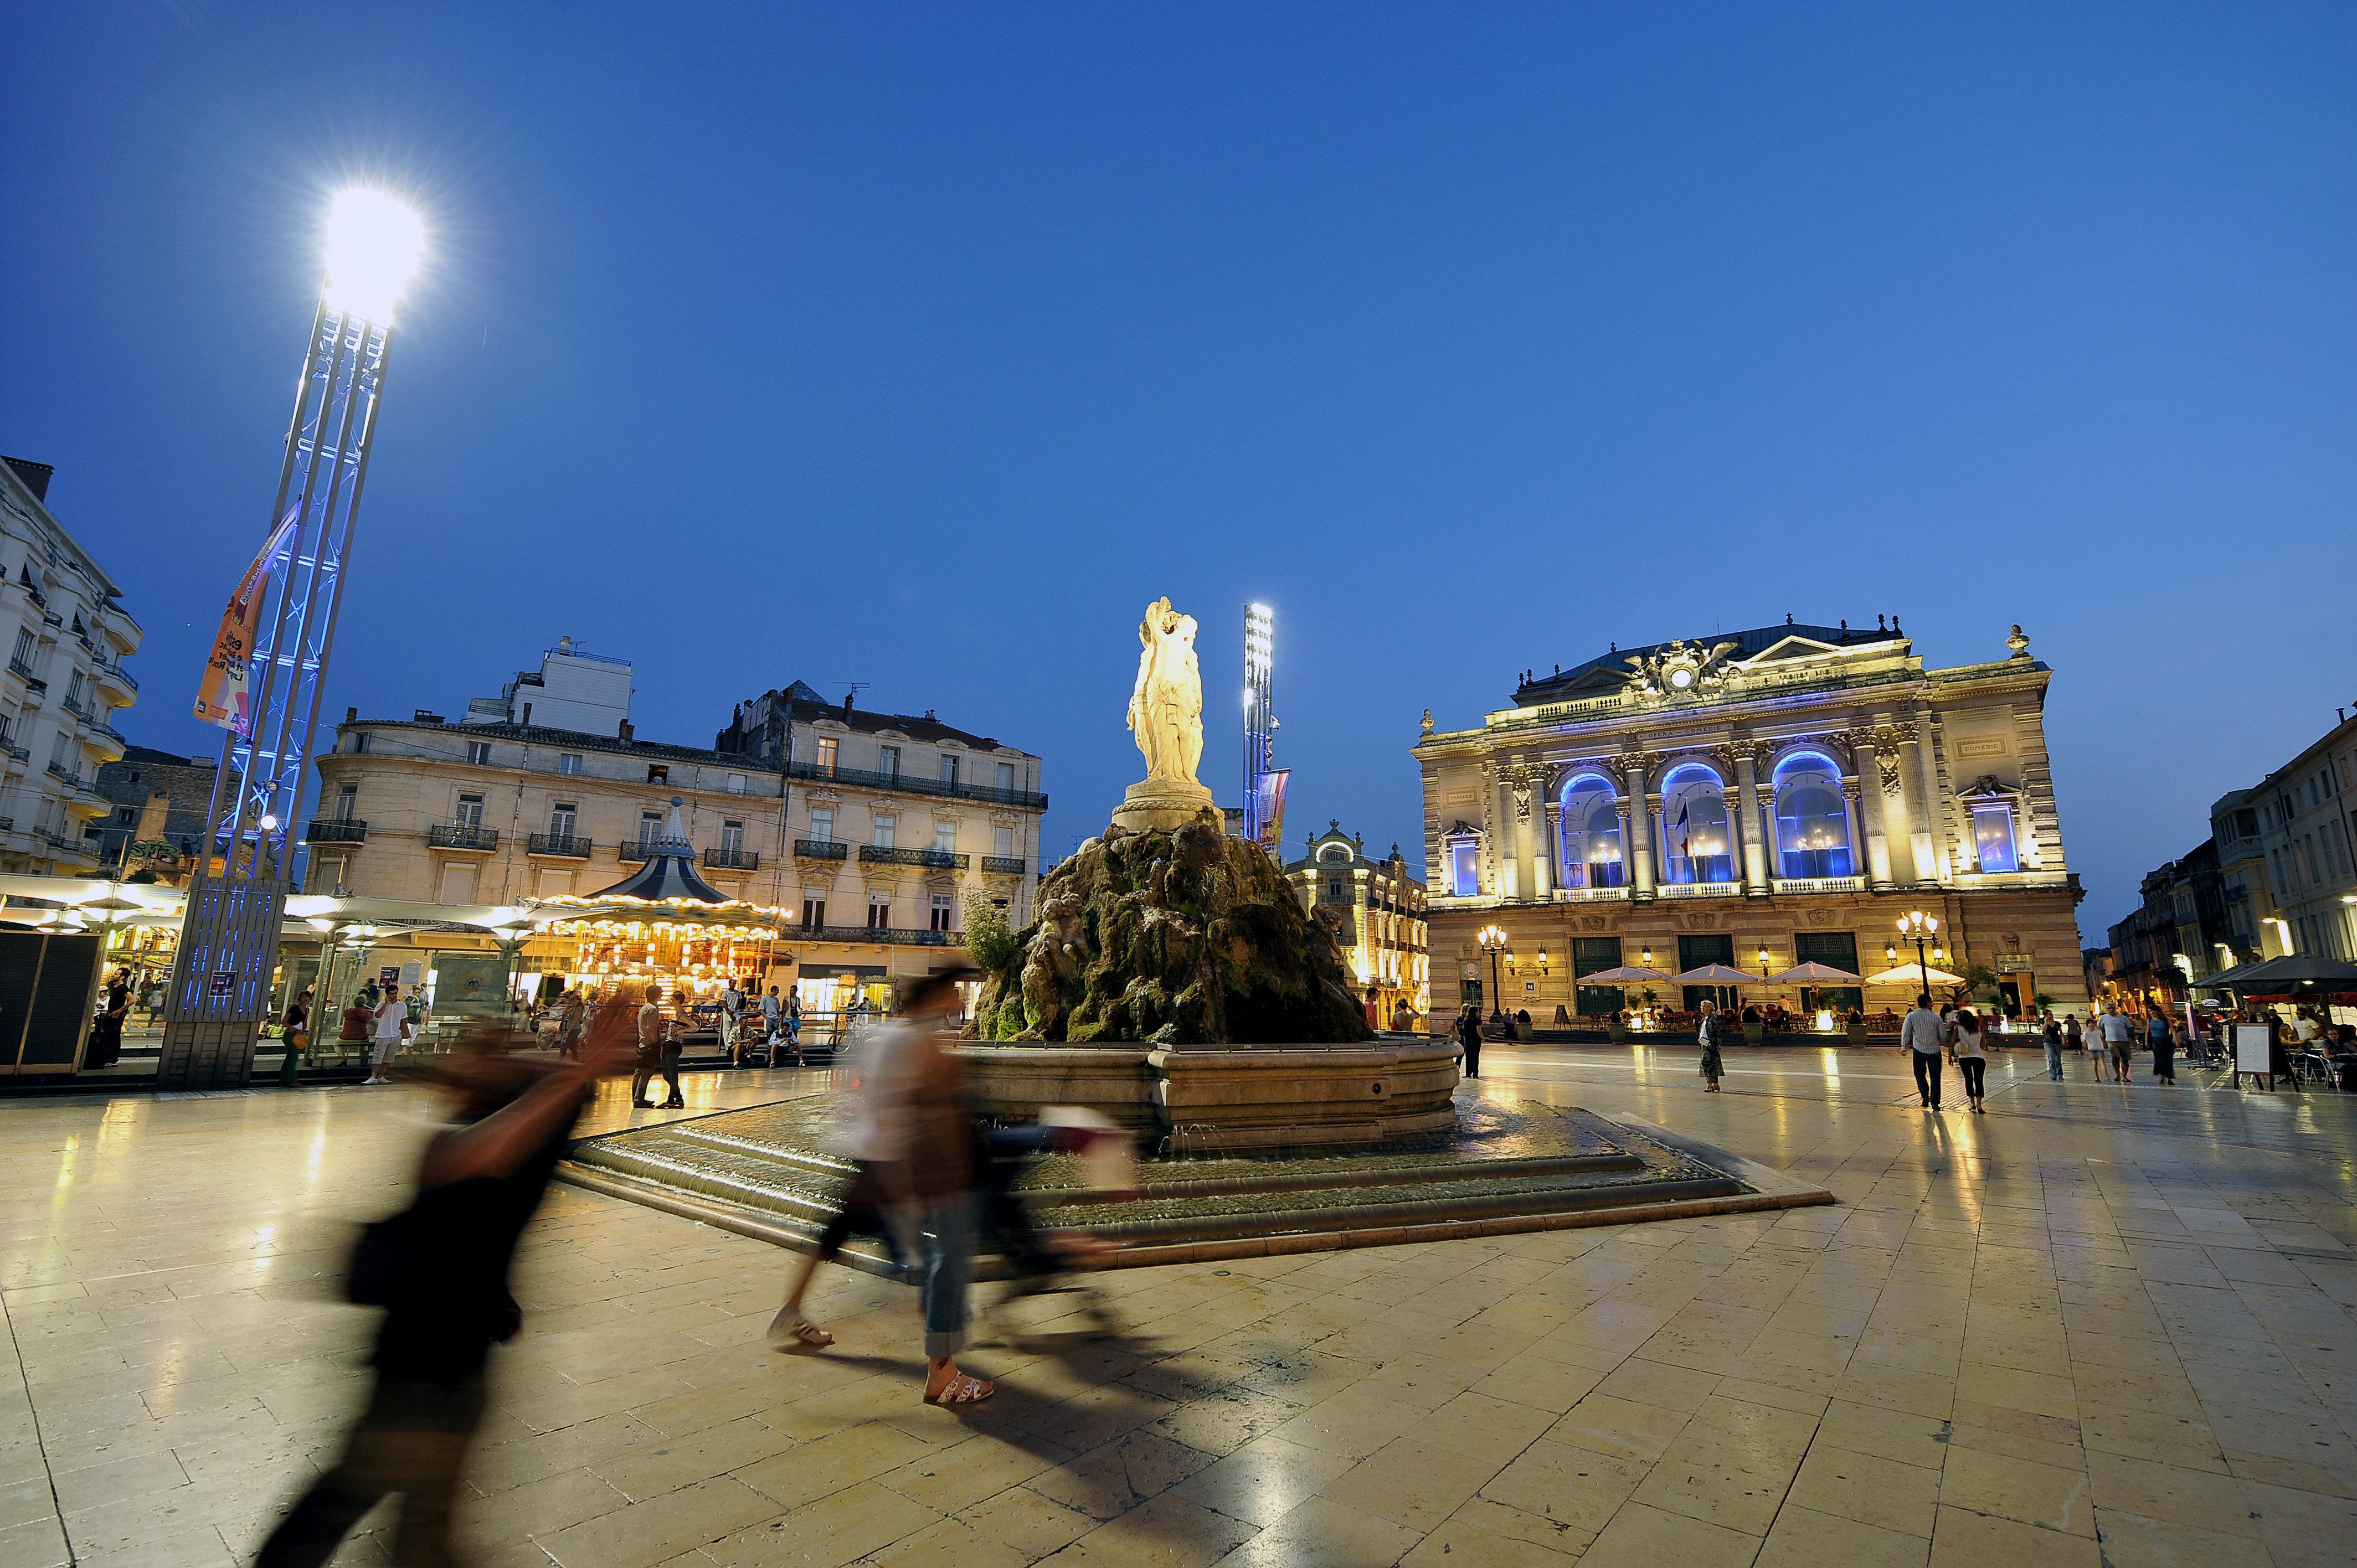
(1260,715)
(220,983)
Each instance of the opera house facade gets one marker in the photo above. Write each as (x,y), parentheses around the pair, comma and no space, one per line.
(1758,801)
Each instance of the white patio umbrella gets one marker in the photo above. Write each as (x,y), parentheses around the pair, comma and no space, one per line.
(1716,974)
(1815,973)
(1914,976)
(1626,974)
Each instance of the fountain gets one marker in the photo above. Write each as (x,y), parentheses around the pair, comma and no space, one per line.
(1174,983)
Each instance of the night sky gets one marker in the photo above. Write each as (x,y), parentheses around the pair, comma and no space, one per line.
(922,347)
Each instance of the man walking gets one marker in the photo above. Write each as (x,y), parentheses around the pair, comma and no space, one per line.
(2052,1033)
(392,1029)
(1469,1038)
(732,1017)
(2116,1031)
(1921,1033)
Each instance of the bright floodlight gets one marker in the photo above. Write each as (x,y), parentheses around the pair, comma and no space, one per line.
(375,246)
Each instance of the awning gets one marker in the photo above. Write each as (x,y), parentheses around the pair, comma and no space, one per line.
(1627,974)
(2289,971)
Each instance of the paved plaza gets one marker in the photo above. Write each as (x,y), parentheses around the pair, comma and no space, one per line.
(2098,1324)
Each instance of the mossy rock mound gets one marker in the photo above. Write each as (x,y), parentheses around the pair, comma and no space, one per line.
(1186,937)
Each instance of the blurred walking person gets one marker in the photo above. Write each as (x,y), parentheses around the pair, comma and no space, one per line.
(908,1132)
(439,1268)
(2051,1032)
(1468,1040)
(1706,1029)
(295,1027)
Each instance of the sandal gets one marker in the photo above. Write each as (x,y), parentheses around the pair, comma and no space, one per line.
(962,1390)
(800,1330)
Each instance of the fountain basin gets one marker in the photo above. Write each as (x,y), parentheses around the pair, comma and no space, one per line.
(1229,1100)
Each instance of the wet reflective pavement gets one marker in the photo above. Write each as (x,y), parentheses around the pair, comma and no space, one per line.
(2099,1324)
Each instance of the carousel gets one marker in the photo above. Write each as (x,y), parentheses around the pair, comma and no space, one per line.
(663,928)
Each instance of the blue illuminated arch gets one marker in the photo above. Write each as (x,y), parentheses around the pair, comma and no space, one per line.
(1812,817)
(1589,825)
(1698,835)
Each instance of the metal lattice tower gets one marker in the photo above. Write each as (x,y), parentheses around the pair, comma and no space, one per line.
(229,941)
(1260,711)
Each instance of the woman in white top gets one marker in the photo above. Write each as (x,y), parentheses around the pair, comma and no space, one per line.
(1965,1047)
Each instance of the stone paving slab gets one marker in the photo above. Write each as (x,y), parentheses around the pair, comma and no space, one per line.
(2096,1325)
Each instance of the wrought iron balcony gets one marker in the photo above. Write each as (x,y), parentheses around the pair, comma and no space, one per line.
(632,850)
(22,754)
(117,674)
(1004,864)
(561,845)
(462,835)
(19,668)
(733,859)
(821,849)
(937,859)
(910,784)
(336,830)
(61,771)
(887,936)
(79,711)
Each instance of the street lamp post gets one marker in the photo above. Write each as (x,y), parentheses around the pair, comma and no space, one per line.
(221,974)
(1917,927)
(1493,942)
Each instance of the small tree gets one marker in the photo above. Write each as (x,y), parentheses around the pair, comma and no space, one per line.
(988,939)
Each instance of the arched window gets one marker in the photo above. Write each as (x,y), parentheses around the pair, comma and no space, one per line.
(1591,834)
(1811,822)
(1696,845)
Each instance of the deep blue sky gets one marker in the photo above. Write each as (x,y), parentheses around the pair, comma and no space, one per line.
(922,347)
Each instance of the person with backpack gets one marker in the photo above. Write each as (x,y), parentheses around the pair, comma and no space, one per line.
(439,1270)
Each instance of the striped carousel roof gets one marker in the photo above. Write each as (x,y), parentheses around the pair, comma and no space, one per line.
(670,870)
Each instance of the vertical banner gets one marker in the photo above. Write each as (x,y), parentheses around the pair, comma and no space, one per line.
(221,697)
(1268,792)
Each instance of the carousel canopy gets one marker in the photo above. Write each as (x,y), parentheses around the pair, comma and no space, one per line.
(670,872)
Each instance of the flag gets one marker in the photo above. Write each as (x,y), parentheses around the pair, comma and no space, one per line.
(221,695)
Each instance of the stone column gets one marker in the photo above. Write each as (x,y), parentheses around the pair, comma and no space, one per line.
(1850,791)
(1509,884)
(1636,829)
(1768,832)
(1931,859)
(1877,865)
(1754,851)
(1551,842)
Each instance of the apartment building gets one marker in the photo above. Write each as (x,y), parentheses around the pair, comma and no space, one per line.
(1380,910)
(68,636)
(895,820)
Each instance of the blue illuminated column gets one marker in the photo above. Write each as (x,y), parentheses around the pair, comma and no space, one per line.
(221,984)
